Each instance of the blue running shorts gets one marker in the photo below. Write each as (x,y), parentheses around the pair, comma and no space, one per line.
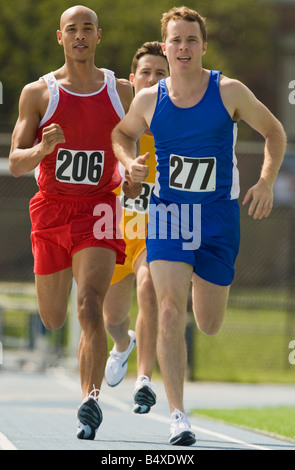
(206,236)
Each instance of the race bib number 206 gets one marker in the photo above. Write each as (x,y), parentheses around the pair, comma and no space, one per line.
(79,166)
(192,174)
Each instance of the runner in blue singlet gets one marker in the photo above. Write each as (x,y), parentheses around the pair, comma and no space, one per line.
(194,229)
(196,164)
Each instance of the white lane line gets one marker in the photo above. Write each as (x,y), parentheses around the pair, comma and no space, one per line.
(218,435)
(5,443)
(112,401)
(165,419)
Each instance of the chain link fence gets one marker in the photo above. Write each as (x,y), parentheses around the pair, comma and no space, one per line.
(253,343)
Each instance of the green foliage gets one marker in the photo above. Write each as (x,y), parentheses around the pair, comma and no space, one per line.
(239,38)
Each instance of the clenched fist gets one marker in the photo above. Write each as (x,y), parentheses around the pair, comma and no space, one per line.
(51,136)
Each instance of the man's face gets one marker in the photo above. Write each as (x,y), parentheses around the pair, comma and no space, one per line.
(184,46)
(79,34)
(150,69)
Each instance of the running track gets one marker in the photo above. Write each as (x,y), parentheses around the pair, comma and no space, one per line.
(38,412)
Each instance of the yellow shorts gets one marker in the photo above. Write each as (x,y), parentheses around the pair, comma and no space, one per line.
(134,248)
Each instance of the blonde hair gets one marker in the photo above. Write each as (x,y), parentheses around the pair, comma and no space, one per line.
(183,13)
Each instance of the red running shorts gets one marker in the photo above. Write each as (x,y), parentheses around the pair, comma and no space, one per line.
(61,226)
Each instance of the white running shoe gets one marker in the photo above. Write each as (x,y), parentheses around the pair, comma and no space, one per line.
(144,397)
(117,363)
(181,433)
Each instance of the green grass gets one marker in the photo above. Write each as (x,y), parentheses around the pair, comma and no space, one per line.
(276,421)
(251,347)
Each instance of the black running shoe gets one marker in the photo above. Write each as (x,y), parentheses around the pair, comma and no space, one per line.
(144,397)
(89,418)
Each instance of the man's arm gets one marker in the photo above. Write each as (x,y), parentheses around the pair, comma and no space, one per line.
(249,109)
(126,134)
(125,92)
(131,189)
(24,155)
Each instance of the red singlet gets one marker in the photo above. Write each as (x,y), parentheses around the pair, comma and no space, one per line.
(76,177)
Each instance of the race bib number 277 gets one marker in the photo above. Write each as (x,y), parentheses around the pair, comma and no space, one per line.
(192,174)
(79,166)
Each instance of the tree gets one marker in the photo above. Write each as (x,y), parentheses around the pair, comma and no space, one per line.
(239,44)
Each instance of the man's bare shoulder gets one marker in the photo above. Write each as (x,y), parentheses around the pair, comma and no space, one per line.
(123,82)
(144,103)
(35,95)
(232,86)
(34,89)
(239,100)
(150,92)
(125,91)
(124,87)
(227,82)
(146,97)
(235,95)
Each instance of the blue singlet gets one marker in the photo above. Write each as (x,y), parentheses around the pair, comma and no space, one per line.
(194,213)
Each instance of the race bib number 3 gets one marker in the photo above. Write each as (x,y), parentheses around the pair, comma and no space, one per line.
(79,166)
(192,174)
(141,203)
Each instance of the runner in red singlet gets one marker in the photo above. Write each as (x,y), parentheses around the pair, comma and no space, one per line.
(63,132)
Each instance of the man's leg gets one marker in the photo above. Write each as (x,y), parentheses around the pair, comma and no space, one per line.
(209,304)
(93,269)
(146,336)
(146,324)
(117,319)
(172,280)
(116,308)
(53,292)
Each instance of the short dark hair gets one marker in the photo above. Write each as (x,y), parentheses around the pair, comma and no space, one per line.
(148,48)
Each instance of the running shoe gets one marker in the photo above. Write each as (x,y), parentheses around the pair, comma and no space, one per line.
(117,363)
(181,433)
(144,397)
(89,416)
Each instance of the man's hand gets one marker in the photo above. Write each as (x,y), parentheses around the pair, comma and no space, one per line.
(51,136)
(260,197)
(138,171)
(131,190)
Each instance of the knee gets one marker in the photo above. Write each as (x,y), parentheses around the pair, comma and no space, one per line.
(53,322)
(89,309)
(209,327)
(116,314)
(112,322)
(146,295)
(169,317)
